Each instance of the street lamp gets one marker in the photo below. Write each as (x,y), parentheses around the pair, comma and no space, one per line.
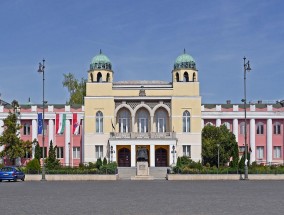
(246,69)
(41,70)
(173,151)
(218,145)
(111,153)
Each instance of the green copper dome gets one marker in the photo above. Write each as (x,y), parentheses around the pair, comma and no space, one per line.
(184,61)
(100,61)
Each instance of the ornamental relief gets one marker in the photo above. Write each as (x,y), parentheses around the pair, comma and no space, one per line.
(134,104)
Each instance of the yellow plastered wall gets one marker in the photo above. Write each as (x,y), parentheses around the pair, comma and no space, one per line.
(92,106)
(180,105)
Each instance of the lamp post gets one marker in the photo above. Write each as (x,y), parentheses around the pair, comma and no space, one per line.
(173,154)
(111,153)
(246,69)
(41,70)
(218,145)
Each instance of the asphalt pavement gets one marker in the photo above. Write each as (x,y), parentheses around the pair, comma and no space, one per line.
(142,197)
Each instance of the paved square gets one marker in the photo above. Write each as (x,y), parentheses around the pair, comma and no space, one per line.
(142,197)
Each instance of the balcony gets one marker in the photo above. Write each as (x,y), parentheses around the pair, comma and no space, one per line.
(136,135)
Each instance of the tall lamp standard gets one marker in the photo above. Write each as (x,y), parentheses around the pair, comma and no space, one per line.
(246,69)
(41,70)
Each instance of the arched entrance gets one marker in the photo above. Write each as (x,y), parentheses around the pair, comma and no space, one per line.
(161,157)
(124,159)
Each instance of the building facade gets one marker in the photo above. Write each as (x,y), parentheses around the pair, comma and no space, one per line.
(68,141)
(264,128)
(165,119)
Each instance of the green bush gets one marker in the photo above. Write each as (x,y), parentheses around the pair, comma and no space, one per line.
(104,161)
(109,168)
(33,166)
(99,163)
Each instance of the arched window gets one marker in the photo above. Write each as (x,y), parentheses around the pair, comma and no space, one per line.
(142,124)
(99,77)
(92,78)
(99,122)
(185,77)
(260,128)
(124,121)
(177,77)
(27,129)
(161,120)
(186,121)
(228,125)
(242,128)
(108,78)
(194,77)
(209,123)
(277,128)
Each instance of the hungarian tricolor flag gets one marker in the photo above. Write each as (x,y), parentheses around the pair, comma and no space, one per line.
(60,123)
(76,124)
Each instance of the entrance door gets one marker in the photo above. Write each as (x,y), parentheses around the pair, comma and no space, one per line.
(124,157)
(161,157)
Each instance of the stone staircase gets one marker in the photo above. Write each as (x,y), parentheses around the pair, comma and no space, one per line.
(125,173)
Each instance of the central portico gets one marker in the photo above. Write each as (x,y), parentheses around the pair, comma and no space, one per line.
(162,117)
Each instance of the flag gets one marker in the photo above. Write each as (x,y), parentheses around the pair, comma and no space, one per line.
(76,124)
(60,123)
(39,123)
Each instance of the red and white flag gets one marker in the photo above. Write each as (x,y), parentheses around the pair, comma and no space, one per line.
(60,123)
(76,124)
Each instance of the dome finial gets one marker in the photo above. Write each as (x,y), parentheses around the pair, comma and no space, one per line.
(100,51)
(184,51)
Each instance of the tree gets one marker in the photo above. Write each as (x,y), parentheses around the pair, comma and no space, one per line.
(51,161)
(75,87)
(14,146)
(228,147)
(38,152)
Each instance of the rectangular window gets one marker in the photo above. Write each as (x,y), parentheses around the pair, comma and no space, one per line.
(277,151)
(259,152)
(76,152)
(27,129)
(186,151)
(242,128)
(60,152)
(99,152)
(45,152)
(277,128)
(259,129)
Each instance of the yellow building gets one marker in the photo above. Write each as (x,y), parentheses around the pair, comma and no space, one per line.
(162,118)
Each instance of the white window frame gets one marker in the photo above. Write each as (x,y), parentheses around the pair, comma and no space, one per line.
(186,121)
(161,121)
(242,128)
(186,150)
(124,121)
(59,152)
(99,122)
(260,128)
(76,152)
(27,129)
(143,118)
(277,128)
(277,151)
(260,152)
(99,151)
(228,125)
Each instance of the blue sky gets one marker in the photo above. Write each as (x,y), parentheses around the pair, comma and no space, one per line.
(142,39)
